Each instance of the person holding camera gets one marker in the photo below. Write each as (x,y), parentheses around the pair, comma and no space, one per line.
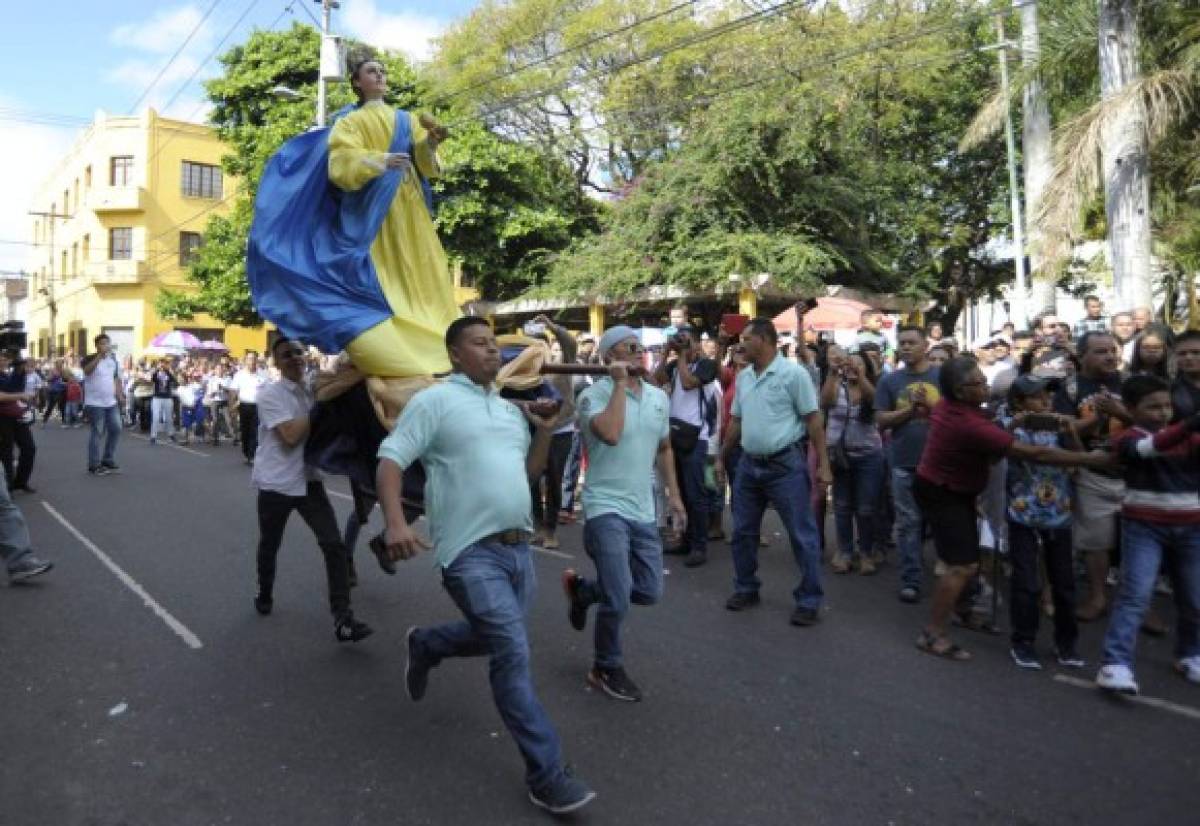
(683,374)
(15,420)
(102,392)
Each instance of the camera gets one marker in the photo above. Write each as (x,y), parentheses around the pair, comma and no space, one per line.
(534,329)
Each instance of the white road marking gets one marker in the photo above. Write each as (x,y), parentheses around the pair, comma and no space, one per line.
(559,554)
(169,443)
(129,582)
(1153,702)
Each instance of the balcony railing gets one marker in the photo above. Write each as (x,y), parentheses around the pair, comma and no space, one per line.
(117,199)
(125,271)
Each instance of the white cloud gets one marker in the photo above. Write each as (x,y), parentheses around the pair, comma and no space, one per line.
(412,34)
(30,154)
(163,32)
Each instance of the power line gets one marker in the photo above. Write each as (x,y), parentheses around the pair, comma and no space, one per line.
(195,29)
(249,7)
(541,61)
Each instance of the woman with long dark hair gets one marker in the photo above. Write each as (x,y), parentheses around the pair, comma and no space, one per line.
(1152,353)
(963,442)
(856,455)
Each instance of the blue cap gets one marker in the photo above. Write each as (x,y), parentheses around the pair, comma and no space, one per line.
(614,336)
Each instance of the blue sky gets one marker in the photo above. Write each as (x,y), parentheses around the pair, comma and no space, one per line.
(66,61)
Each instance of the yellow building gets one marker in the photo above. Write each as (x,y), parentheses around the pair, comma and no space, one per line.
(115,223)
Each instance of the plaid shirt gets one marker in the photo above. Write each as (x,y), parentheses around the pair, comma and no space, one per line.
(1091,325)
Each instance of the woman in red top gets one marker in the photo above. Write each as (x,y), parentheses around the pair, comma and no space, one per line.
(963,442)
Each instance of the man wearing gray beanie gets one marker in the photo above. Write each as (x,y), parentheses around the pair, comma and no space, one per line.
(623,422)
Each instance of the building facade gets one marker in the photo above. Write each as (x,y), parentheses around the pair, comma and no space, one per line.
(116,222)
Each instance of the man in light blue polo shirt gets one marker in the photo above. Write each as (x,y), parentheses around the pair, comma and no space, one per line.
(624,424)
(478,458)
(774,405)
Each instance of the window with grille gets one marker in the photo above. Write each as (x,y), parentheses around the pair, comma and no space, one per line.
(120,170)
(189,245)
(120,243)
(201,180)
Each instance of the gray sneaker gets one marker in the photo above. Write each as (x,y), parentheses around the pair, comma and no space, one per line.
(28,568)
(567,794)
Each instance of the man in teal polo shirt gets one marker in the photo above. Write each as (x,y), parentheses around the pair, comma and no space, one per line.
(624,424)
(478,458)
(774,405)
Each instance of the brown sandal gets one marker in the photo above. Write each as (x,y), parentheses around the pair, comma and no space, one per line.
(940,646)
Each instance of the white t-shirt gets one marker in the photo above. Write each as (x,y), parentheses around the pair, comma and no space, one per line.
(99,388)
(215,387)
(248,384)
(277,467)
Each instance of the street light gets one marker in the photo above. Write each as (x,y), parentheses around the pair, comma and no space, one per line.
(287,93)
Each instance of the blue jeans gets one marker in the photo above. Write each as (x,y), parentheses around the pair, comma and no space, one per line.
(107,419)
(1143,546)
(14,533)
(689,473)
(910,528)
(628,557)
(784,483)
(857,491)
(493,584)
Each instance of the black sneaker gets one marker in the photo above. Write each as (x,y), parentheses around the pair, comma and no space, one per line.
(1069,658)
(695,559)
(805,616)
(615,683)
(577,608)
(348,629)
(263,604)
(567,794)
(28,568)
(111,467)
(416,671)
(98,470)
(741,600)
(910,594)
(1024,656)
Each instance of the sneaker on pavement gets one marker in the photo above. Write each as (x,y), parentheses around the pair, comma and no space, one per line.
(565,795)
(695,559)
(1189,668)
(805,616)
(1069,658)
(416,671)
(741,600)
(1118,678)
(615,683)
(909,594)
(111,467)
(28,568)
(98,470)
(263,603)
(1025,657)
(577,608)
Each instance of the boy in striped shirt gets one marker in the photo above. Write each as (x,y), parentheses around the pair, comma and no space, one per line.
(1160,517)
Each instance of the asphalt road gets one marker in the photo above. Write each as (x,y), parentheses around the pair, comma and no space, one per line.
(111,717)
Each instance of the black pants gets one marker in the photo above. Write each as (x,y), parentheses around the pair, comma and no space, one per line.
(689,474)
(1026,583)
(248,424)
(545,511)
(14,432)
(314,508)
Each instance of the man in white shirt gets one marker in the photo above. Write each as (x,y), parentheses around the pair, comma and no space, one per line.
(244,388)
(285,483)
(216,399)
(102,392)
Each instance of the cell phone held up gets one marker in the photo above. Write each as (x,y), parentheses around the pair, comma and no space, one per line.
(1041,421)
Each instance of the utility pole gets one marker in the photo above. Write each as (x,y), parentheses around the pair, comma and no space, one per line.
(1037,159)
(52,216)
(1020,292)
(328,47)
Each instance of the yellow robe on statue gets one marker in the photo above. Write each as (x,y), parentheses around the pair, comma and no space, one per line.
(408,257)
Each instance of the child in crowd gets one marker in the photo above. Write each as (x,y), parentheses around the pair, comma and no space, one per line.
(191,408)
(1040,512)
(74,401)
(1160,518)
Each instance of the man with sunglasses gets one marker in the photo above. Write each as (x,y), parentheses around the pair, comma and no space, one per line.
(624,425)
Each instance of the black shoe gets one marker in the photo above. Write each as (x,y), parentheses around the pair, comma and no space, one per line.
(1069,657)
(615,683)
(378,548)
(910,594)
(111,467)
(347,629)
(26,489)
(1025,656)
(99,470)
(676,550)
(416,672)
(565,795)
(351,573)
(695,559)
(263,604)
(577,608)
(805,616)
(741,600)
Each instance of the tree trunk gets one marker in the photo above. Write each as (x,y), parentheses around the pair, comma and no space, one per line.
(1038,159)
(1126,161)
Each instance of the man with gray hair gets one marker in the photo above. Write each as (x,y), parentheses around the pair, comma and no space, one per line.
(623,422)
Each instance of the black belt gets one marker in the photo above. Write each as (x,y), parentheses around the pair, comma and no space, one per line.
(513,536)
(764,458)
